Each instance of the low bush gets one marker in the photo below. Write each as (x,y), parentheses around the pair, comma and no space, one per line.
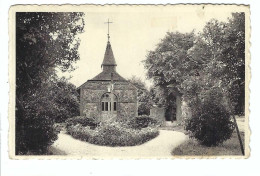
(60,126)
(112,134)
(142,122)
(82,120)
(210,125)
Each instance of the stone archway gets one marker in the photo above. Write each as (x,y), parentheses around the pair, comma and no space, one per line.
(170,110)
(178,102)
(109,105)
(174,112)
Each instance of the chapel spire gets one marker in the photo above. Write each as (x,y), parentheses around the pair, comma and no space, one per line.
(109,59)
(109,62)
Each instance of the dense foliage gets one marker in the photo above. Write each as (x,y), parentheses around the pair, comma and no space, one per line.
(221,48)
(170,64)
(210,123)
(196,65)
(112,133)
(217,54)
(65,99)
(144,98)
(44,42)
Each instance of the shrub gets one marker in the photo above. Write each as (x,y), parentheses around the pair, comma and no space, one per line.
(34,131)
(142,122)
(60,126)
(144,108)
(82,120)
(112,134)
(210,124)
(66,100)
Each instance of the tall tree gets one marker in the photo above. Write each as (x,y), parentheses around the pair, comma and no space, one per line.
(194,63)
(208,69)
(222,46)
(226,69)
(170,64)
(44,42)
(235,59)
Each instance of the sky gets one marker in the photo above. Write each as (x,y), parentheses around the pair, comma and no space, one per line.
(134,32)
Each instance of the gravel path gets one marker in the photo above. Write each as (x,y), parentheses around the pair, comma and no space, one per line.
(159,147)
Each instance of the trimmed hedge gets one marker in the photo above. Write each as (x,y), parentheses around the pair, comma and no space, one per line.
(142,122)
(112,134)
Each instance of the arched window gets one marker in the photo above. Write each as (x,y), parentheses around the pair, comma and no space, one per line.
(108,102)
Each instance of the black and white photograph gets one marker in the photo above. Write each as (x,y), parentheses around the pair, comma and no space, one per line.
(129,82)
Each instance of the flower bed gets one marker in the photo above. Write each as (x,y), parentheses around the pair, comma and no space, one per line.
(113,134)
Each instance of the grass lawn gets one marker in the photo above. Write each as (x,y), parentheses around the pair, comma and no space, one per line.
(229,147)
(192,147)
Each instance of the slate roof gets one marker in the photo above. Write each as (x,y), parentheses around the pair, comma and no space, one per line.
(106,76)
(109,56)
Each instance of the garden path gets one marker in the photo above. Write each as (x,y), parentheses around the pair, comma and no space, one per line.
(159,147)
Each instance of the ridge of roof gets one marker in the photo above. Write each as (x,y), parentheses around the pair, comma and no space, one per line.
(106,75)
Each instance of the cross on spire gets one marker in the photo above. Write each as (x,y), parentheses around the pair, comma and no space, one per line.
(108,28)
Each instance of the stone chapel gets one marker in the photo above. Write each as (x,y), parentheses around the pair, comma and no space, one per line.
(108,94)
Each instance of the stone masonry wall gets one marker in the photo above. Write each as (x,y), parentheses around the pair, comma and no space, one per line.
(128,110)
(91,92)
(91,110)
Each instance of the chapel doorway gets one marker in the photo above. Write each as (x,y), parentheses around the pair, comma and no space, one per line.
(109,105)
(171,109)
